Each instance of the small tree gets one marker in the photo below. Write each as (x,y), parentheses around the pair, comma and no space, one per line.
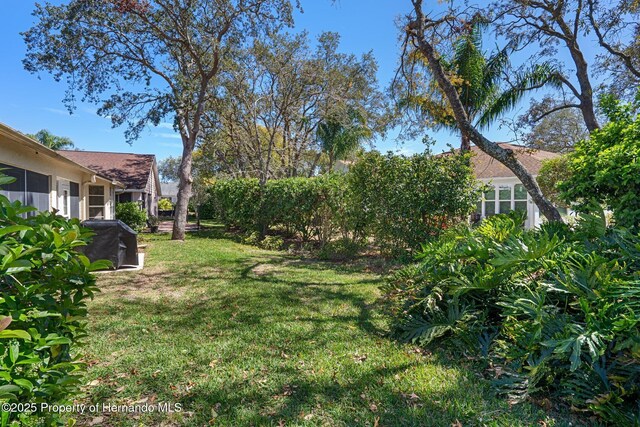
(339,139)
(479,79)
(605,167)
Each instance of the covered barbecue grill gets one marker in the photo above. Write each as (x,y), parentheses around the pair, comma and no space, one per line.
(113,241)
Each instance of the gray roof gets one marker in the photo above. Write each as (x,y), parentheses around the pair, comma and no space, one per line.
(169,189)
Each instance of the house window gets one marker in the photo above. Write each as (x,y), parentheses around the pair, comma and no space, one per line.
(65,203)
(504,195)
(29,188)
(96,202)
(505,198)
(74,191)
(124,197)
(490,201)
(520,198)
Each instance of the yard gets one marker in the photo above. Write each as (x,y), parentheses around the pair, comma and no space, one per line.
(242,336)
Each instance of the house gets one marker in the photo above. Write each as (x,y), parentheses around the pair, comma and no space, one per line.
(138,173)
(170,191)
(506,192)
(48,180)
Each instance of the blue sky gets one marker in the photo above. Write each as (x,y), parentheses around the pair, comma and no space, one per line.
(30,102)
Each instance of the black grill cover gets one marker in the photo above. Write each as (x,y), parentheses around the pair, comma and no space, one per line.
(114,241)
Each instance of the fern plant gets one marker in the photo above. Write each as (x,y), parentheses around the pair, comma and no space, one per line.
(555,310)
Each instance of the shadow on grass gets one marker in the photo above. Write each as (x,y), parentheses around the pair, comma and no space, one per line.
(260,315)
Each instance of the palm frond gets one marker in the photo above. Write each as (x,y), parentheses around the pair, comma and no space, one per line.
(525,81)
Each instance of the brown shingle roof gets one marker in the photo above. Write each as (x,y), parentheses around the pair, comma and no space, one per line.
(487,167)
(131,169)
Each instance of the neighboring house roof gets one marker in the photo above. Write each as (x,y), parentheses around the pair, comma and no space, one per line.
(486,167)
(43,149)
(131,169)
(169,189)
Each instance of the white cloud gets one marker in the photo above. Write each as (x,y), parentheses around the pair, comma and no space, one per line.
(56,111)
(166,135)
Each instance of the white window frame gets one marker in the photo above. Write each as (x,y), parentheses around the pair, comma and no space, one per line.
(496,201)
(103,206)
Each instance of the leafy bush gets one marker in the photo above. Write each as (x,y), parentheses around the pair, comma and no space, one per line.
(44,284)
(131,214)
(340,250)
(556,310)
(235,203)
(552,173)
(272,243)
(605,167)
(252,239)
(165,204)
(396,201)
(404,201)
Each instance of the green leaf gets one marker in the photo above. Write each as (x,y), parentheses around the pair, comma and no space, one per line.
(100,265)
(30,361)
(16,333)
(14,351)
(19,265)
(13,229)
(24,383)
(58,341)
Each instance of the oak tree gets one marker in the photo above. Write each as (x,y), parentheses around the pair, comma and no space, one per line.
(144,61)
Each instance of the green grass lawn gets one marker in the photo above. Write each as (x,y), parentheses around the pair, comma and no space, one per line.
(241,336)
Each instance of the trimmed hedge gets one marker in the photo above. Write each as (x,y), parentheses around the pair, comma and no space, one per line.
(396,202)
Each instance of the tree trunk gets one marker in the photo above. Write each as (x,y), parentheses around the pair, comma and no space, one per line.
(586,91)
(416,30)
(465,144)
(184,192)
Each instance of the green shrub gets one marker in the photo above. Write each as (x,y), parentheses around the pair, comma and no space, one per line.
(165,204)
(235,203)
(340,250)
(605,167)
(395,201)
(556,311)
(131,214)
(403,201)
(553,172)
(252,239)
(44,285)
(272,243)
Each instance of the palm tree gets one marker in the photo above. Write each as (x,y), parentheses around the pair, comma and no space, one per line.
(338,138)
(484,91)
(52,141)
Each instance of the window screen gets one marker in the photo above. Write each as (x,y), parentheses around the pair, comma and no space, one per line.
(29,188)
(96,202)
(15,190)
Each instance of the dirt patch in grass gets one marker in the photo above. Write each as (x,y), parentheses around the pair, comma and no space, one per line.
(151,283)
(263,269)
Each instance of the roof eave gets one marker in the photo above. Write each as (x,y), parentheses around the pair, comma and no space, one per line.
(35,145)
